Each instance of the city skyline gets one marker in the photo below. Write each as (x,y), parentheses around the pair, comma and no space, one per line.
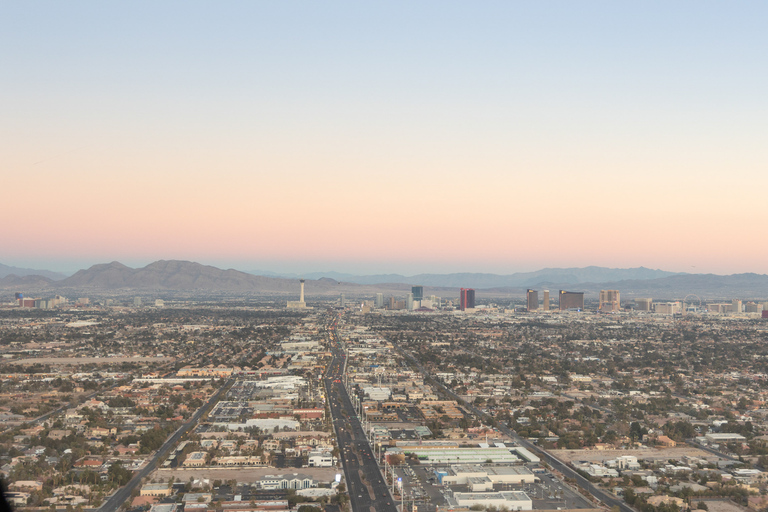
(400,138)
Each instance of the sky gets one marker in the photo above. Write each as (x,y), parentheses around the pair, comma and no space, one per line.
(385,137)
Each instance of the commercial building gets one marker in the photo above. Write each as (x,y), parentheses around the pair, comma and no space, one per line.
(624,462)
(209,373)
(571,300)
(310,414)
(428,455)
(467,299)
(724,438)
(610,301)
(532,297)
(156,490)
(545,306)
(668,308)
(596,470)
(525,454)
(378,394)
(379,300)
(288,481)
(460,474)
(239,460)
(718,308)
(320,459)
(511,500)
(418,292)
(195,459)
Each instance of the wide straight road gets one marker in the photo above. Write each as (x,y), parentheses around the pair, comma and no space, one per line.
(713,451)
(356,454)
(123,494)
(606,498)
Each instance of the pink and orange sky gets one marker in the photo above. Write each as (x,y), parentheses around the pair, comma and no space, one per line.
(438,137)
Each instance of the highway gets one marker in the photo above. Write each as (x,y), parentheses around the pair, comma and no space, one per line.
(124,493)
(606,498)
(355,452)
(707,449)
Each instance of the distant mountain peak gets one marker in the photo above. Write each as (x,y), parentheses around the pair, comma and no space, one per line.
(6,270)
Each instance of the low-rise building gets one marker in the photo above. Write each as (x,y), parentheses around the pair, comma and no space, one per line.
(287,481)
(512,500)
(156,490)
(239,460)
(460,474)
(320,459)
(195,459)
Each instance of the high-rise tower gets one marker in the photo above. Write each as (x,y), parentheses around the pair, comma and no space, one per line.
(298,304)
(533,300)
(610,301)
(467,298)
(644,304)
(571,300)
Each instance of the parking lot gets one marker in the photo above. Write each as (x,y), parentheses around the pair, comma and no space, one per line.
(551,493)
(416,487)
(547,493)
(224,411)
(403,434)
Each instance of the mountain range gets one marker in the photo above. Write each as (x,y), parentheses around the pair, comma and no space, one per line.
(6,270)
(186,276)
(174,275)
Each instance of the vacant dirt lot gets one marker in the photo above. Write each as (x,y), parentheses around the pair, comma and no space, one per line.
(720,505)
(244,475)
(646,454)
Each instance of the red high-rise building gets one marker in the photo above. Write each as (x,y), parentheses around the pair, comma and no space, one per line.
(467,298)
